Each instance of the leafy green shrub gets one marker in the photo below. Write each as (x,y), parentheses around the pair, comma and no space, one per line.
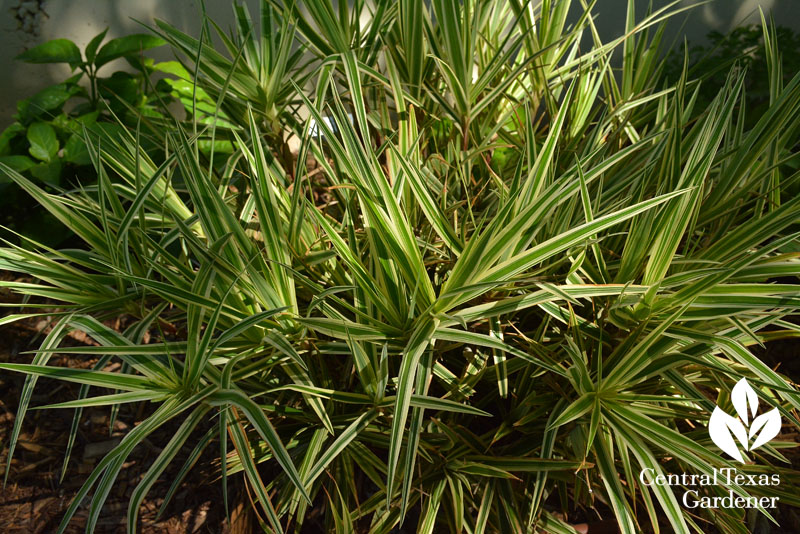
(47,139)
(502,285)
(259,77)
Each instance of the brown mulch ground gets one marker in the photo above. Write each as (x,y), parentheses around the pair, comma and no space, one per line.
(34,499)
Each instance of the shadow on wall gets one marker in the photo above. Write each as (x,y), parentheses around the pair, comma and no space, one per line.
(746,13)
(695,23)
(80,20)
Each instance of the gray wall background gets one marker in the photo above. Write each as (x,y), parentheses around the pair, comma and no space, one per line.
(24,24)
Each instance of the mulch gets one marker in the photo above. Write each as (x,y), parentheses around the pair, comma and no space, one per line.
(35,499)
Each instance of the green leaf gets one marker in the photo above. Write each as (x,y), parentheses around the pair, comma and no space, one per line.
(49,173)
(53,339)
(55,51)
(482,470)
(265,429)
(245,455)
(107,400)
(578,408)
(611,479)
(91,48)
(18,163)
(124,46)
(445,405)
(432,508)
(340,444)
(83,376)
(43,140)
(8,135)
(174,68)
(161,462)
(75,151)
(417,344)
(528,465)
(46,102)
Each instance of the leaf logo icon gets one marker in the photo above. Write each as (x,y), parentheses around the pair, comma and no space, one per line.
(723,428)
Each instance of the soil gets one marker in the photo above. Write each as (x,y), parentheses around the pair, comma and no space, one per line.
(34,500)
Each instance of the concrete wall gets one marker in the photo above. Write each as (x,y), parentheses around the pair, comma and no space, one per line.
(24,24)
(695,23)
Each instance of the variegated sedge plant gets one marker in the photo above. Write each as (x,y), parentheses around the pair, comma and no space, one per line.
(500,277)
